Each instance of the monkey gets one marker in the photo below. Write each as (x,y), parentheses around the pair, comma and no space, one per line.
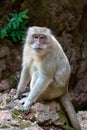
(46,67)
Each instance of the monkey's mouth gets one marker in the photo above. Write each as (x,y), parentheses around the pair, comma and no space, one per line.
(38,49)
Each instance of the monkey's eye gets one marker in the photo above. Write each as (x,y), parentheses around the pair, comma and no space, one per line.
(35,36)
(42,36)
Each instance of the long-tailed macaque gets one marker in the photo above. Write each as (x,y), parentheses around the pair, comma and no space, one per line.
(47,68)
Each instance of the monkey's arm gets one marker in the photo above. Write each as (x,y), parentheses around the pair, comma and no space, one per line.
(39,87)
(24,79)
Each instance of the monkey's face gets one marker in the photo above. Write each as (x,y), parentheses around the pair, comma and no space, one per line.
(39,39)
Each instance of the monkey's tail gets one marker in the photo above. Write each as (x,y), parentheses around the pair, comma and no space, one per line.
(65,100)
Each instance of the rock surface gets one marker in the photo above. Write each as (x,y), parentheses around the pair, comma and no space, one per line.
(68,21)
(42,116)
(82,116)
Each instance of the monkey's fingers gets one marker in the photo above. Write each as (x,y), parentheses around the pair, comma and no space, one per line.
(26,111)
(22,101)
(25,94)
(26,108)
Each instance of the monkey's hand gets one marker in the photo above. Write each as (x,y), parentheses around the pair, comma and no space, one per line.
(39,87)
(23,100)
(26,108)
(25,94)
(25,103)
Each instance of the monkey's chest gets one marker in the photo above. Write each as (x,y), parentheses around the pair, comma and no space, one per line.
(34,68)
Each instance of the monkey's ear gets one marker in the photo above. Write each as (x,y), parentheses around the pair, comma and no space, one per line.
(48,32)
(29,28)
(29,31)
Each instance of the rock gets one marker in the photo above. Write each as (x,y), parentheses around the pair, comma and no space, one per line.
(4,51)
(2,66)
(3,100)
(14,128)
(46,112)
(53,105)
(12,93)
(12,120)
(36,127)
(4,85)
(6,100)
(68,21)
(6,118)
(82,116)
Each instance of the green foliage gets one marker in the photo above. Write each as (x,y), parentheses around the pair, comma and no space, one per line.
(63,119)
(16,26)
(4,126)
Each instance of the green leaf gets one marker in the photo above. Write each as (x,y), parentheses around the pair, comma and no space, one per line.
(20,19)
(8,26)
(3,33)
(16,26)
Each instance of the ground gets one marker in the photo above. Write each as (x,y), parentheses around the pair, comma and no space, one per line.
(42,115)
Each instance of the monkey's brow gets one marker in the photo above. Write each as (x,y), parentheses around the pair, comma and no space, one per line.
(39,34)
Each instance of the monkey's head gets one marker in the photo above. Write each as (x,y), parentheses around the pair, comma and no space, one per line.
(38,39)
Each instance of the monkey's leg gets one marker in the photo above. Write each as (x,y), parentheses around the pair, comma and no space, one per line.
(70,110)
(24,79)
(39,87)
